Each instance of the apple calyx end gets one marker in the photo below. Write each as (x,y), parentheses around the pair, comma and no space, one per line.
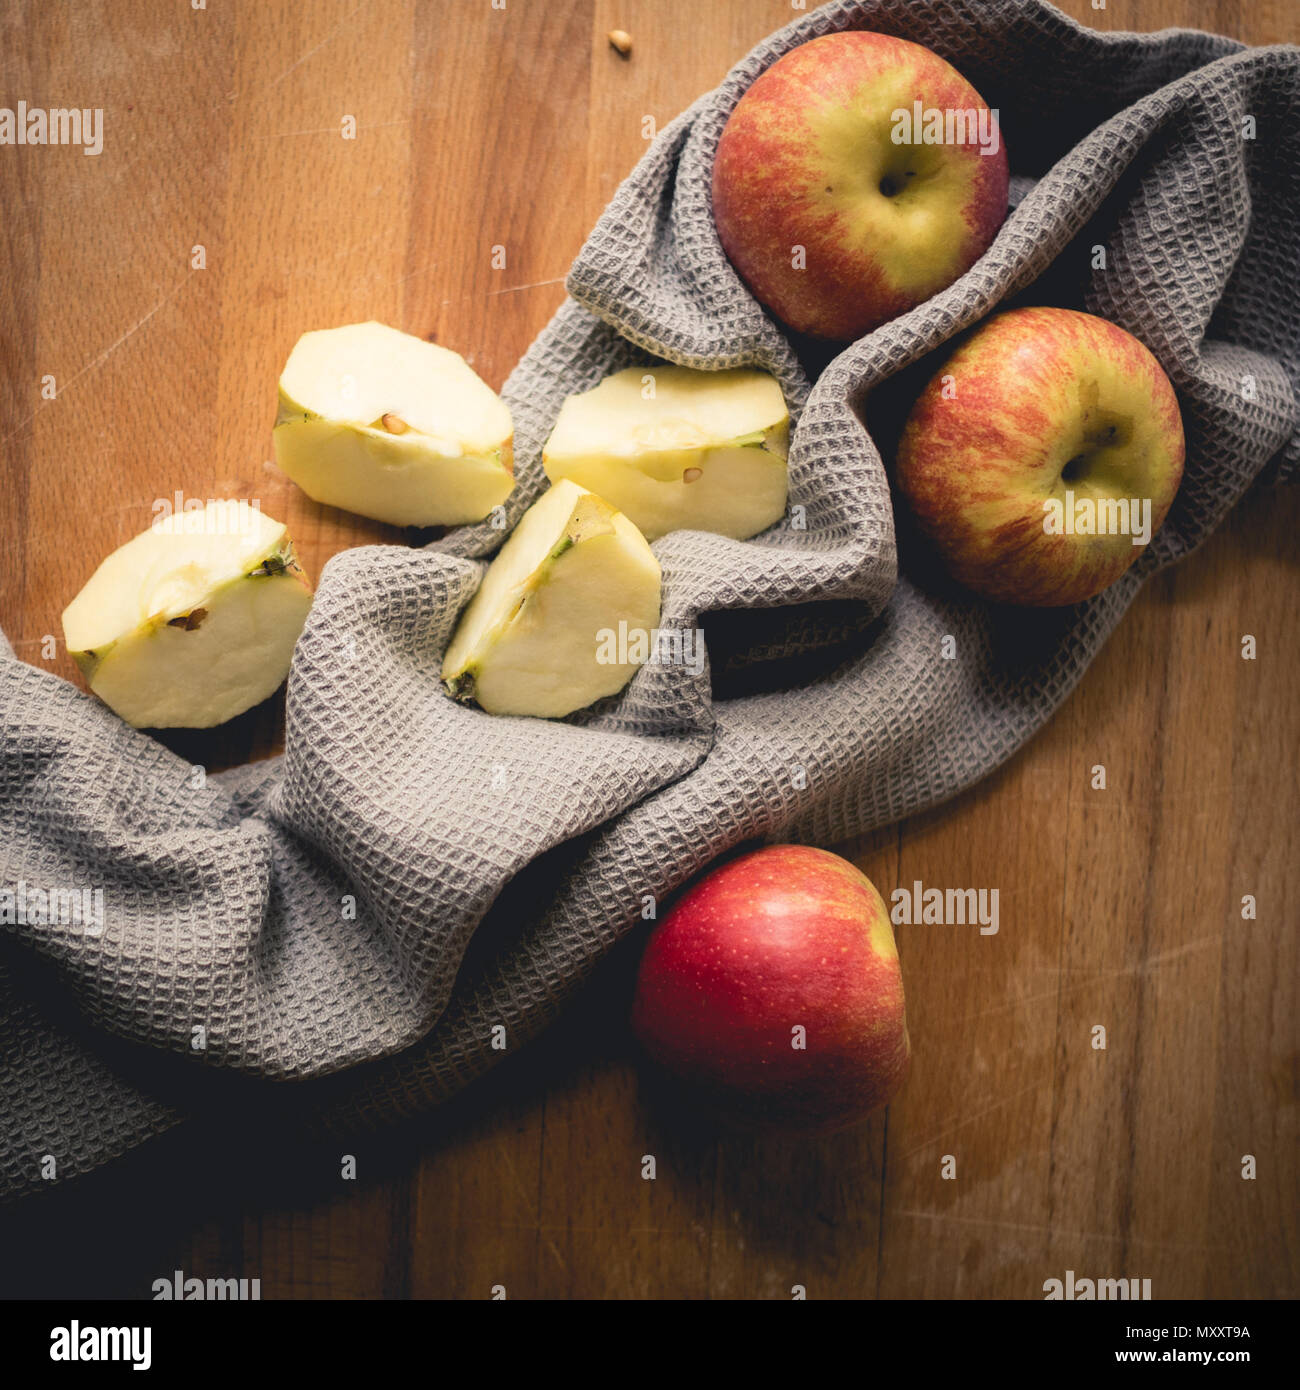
(460,687)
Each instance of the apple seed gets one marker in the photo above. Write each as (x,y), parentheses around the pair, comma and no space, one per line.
(189,621)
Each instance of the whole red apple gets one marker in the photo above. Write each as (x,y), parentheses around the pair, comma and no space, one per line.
(859,175)
(772,990)
(1043,456)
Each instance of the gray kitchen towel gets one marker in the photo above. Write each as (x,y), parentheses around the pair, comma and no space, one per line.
(342,933)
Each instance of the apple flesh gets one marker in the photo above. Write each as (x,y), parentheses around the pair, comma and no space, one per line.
(808,160)
(678,449)
(193,621)
(788,945)
(1041,405)
(533,638)
(388,426)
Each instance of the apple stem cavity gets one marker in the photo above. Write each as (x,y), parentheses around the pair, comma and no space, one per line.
(892,186)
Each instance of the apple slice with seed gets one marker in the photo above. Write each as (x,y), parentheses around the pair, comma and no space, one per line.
(531,640)
(679,449)
(388,426)
(193,621)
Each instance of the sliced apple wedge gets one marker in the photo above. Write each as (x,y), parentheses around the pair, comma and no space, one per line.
(674,448)
(192,622)
(533,639)
(388,426)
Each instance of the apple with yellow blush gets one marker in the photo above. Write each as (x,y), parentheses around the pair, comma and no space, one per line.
(1042,456)
(859,175)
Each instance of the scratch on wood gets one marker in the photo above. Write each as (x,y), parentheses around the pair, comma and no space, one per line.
(970,1120)
(90,367)
(514,289)
(1032,1228)
(328,130)
(311,52)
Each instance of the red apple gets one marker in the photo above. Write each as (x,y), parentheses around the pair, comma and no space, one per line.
(839,208)
(1043,455)
(772,990)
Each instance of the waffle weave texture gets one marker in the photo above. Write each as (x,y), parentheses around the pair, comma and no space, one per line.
(313,914)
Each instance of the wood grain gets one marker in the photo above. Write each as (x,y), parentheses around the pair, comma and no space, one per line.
(480,127)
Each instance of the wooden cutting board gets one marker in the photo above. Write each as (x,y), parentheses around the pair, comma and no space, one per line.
(161,284)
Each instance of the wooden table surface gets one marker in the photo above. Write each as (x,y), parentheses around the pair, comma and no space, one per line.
(479,127)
